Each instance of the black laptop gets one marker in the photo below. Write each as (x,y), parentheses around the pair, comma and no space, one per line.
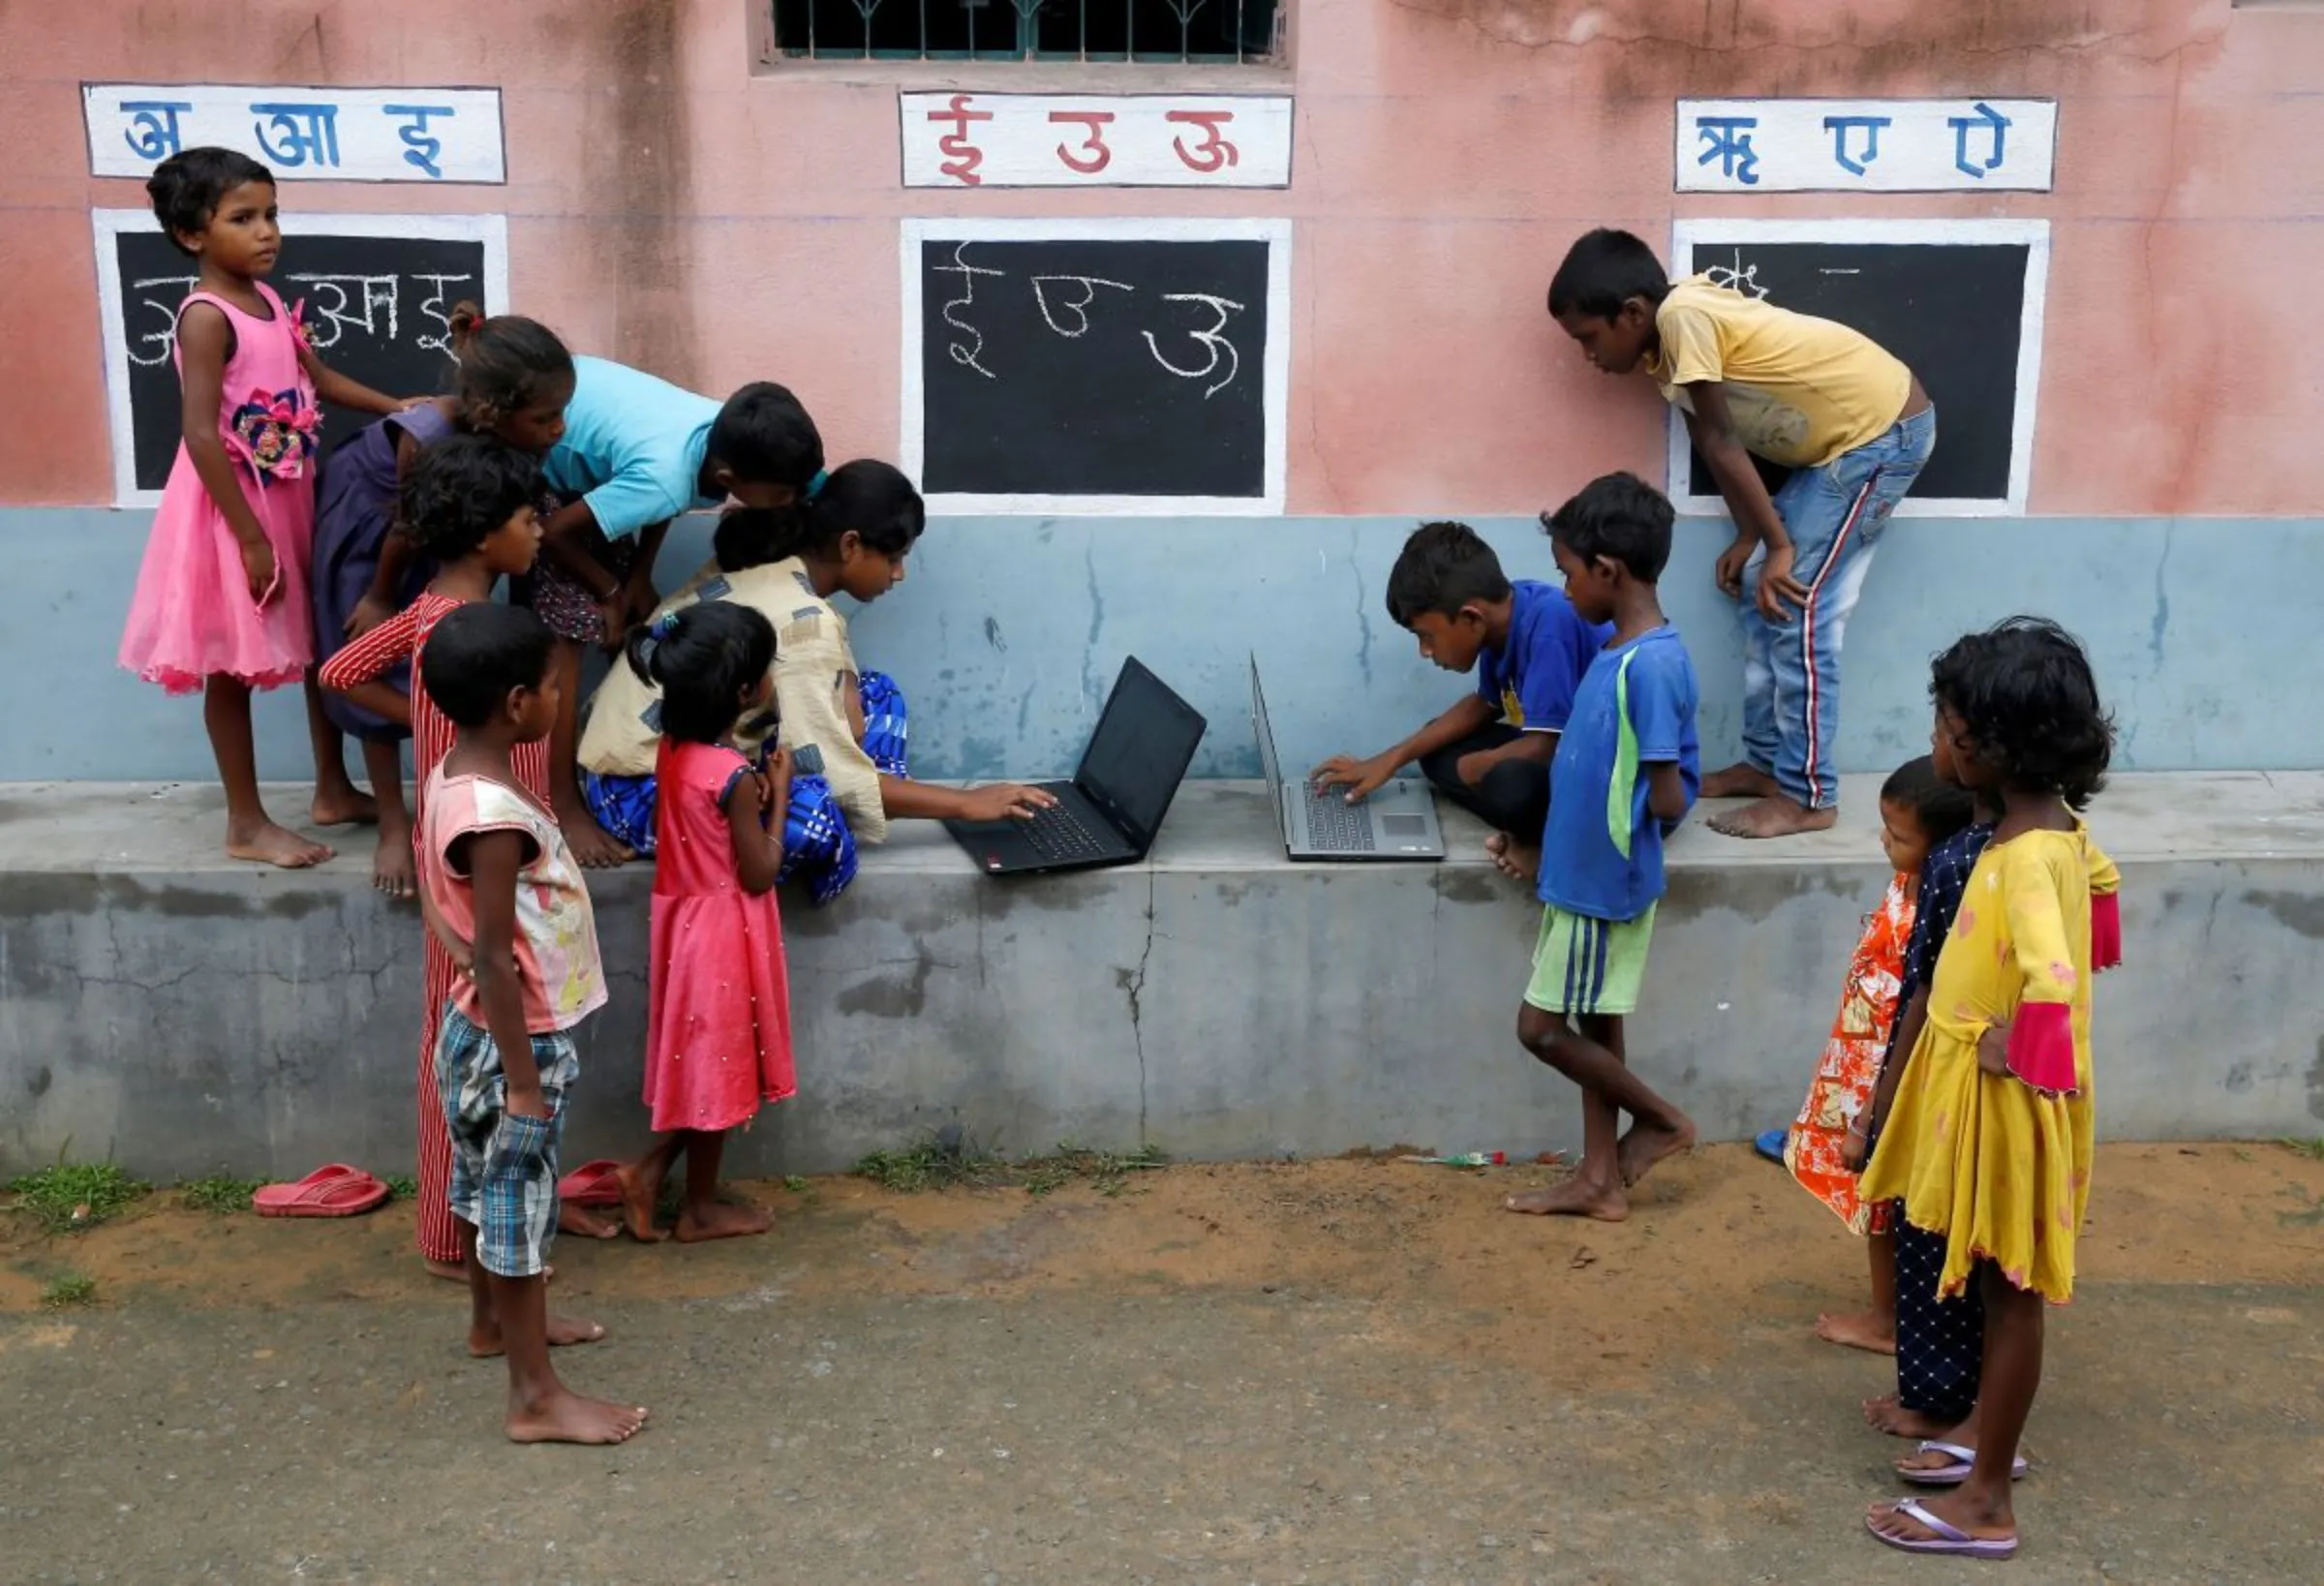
(1109,813)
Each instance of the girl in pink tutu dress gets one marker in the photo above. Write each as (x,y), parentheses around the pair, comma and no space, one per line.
(221,604)
(718,1027)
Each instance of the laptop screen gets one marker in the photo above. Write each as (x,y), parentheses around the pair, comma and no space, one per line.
(1268,766)
(1139,754)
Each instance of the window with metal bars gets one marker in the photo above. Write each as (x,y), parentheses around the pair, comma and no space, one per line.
(1157,32)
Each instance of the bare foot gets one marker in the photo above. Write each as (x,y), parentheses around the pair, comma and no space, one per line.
(1773,816)
(1647,1143)
(639,1194)
(486,1342)
(583,1223)
(565,1416)
(1885,1415)
(276,846)
(591,844)
(391,867)
(1573,1197)
(1740,780)
(343,805)
(1518,861)
(720,1221)
(1867,1330)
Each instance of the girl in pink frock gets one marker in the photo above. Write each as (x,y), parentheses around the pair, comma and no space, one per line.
(719,1028)
(221,602)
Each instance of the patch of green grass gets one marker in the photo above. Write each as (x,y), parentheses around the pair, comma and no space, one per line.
(2312,1149)
(72,1196)
(68,1290)
(219,1192)
(947,1159)
(403,1187)
(950,1159)
(797,1185)
(1107,1172)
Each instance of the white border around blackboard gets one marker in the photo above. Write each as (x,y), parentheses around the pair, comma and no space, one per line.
(106,225)
(1275,394)
(2035,234)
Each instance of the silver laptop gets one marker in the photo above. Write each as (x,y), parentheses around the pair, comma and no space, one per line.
(1397,822)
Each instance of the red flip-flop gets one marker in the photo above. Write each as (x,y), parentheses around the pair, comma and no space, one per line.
(334,1190)
(595,1183)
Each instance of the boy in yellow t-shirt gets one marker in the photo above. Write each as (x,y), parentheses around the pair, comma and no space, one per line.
(1815,397)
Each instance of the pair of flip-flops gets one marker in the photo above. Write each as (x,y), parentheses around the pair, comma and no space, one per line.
(337,1190)
(333,1190)
(1945,1537)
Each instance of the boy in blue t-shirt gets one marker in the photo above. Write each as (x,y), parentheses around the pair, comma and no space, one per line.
(1490,753)
(1627,771)
(636,452)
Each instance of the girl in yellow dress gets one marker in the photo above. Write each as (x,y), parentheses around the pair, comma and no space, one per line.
(1994,1109)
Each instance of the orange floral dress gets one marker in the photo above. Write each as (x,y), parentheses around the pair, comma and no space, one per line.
(1851,1061)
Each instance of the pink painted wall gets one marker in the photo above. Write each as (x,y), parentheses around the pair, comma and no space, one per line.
(670,206)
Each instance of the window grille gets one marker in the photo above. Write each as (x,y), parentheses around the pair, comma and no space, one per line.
(1155,32)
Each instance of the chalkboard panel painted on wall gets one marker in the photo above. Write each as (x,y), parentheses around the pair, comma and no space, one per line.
(1960,301)
(1096,366)
(378,288)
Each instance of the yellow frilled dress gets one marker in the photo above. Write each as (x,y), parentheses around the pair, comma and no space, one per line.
(2000,1164)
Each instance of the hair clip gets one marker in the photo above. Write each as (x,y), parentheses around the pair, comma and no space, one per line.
(663,625)
(815,486)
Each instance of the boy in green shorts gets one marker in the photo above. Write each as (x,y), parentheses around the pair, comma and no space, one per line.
(1626,773)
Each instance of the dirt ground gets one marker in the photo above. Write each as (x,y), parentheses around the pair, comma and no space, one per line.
(1348,1371)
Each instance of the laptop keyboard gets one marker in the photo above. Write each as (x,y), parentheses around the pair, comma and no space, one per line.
(1057,834)
(1336,826)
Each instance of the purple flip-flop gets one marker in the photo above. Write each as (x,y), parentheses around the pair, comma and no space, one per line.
(1963,1459)
(1950,1540)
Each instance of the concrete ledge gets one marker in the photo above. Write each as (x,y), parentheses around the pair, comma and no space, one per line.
(184,1014)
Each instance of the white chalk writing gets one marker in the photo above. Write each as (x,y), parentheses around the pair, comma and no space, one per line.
(1210,338)
(436,307)
(1080,310)
(339,301)
(1736,277)
(1065,301)
(966,356)
(161,338)
(336,307)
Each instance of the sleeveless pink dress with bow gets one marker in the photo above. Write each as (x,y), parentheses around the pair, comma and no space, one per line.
(192,615)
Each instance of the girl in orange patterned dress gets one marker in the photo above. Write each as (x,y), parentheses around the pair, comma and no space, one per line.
(1917,812)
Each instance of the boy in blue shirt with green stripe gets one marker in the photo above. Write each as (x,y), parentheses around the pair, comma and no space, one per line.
(1627,771)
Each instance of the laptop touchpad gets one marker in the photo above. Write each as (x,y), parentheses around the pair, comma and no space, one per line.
(1404,825)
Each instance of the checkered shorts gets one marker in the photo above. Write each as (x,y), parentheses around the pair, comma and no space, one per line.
(504,1166)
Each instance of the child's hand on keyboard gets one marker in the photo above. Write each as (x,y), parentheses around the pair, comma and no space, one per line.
(1360,778)
(1005,801)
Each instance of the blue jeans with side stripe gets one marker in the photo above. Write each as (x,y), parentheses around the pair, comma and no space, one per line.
(1835,515)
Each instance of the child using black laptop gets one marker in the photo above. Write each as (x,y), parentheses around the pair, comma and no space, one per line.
(1110,812)
(1490,752)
